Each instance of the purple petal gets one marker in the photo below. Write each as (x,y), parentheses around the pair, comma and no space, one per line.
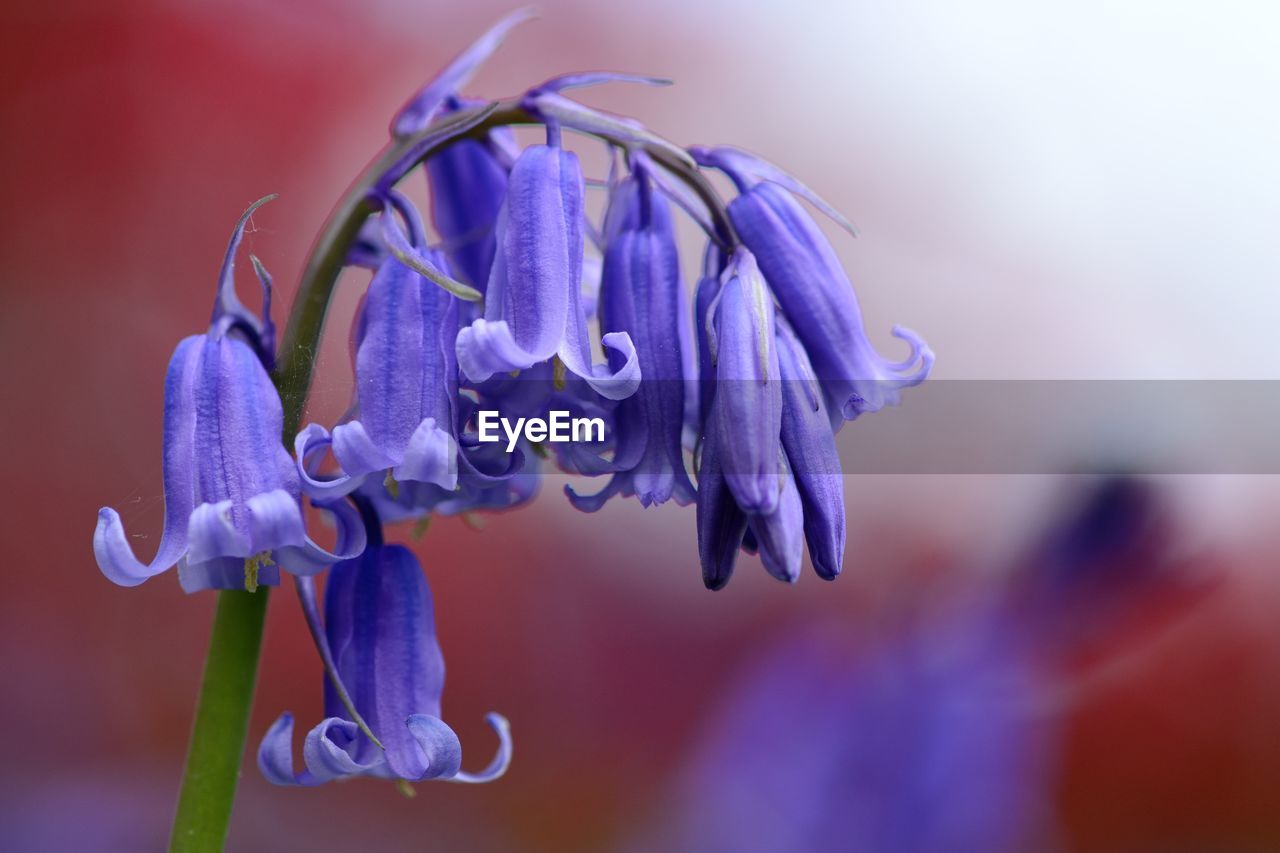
(381,628)
(275,754)
(308,444)
(740,164)
(748,389)
(212,534)
(501,761)
(310,558)
(468,184)
(720,523)
(275,521)
(431,456)
(780,535)
(572,114)
(419,111)
(228,308)
(441,750)
(537,268)
(811,451)
(110,545)
(595,78)
(818,300)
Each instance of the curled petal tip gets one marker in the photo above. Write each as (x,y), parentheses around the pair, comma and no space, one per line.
(116,559)
(501,760)
(439,744)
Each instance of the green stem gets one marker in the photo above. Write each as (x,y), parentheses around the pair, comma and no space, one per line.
(221,720)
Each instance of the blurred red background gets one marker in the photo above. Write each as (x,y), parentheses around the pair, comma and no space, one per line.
(135,134)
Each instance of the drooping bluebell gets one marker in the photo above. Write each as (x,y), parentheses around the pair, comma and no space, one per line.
(813,289)
(380,630)
(233,513)
(641,294)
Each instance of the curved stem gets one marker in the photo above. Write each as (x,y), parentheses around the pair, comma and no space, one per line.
(226,694)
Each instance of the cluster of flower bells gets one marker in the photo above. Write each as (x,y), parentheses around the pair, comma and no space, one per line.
(753,381)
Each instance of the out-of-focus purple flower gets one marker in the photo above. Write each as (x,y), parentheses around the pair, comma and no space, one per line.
(380,630)
(641,295)
(928,743)
(232,502)
(815,293)
(533,309)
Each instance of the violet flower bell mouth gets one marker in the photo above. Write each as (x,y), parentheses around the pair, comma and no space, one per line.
(379,629)
(233,513)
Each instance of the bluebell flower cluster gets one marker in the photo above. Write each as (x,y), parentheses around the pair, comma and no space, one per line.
(493,303)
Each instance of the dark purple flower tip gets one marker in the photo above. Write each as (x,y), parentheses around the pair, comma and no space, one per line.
(380,628)
(818,300)
(779,535)
(811,452)
(417,114)
(533,308)
(721,524)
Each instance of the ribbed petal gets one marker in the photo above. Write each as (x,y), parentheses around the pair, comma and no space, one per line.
(748,388)
(381,629)
(237,434)
(804,273)
(720,523)
(533,303)
(406,380)
(539,263)
(811,451)
(110,545)
(468,184)
(641,293)
(780,535)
